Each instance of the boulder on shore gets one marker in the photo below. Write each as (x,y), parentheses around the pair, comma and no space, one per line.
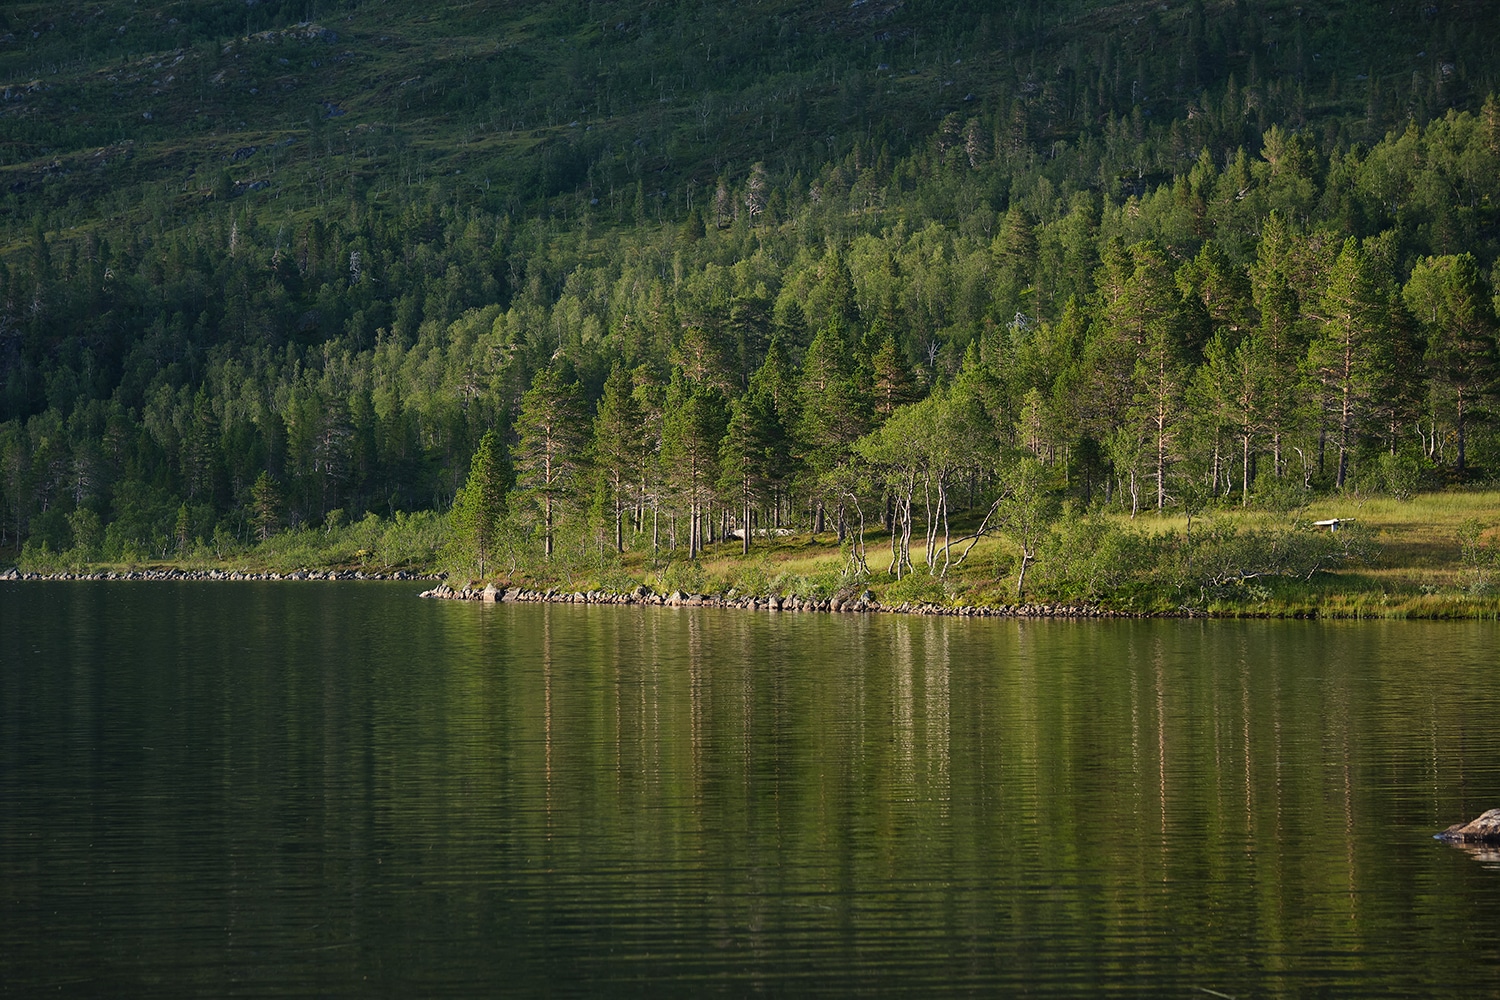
(1484,830)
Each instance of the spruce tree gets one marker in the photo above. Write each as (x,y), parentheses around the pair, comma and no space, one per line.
(479,508)
(265,506)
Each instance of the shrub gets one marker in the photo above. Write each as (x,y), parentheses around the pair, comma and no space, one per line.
(915,588)
(1280,494)
(1480,555)
(1400,475)
(753,579)
(680,574)
(1089,556)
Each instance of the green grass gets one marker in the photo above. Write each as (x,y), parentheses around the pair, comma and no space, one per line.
(1415,567)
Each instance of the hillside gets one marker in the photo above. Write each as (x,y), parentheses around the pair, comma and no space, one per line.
(275,266)
(554,107)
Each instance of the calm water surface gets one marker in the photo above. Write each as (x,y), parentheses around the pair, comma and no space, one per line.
(337,789)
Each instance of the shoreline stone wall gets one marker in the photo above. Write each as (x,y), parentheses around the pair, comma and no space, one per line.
(865,603)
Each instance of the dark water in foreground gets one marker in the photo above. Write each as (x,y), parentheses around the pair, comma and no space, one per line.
(337,789)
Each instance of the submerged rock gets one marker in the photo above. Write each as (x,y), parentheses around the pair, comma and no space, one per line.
(1484,830)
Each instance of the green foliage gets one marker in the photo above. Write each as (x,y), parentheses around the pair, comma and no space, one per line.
(1283,495)
(265,506)
(1401,475)
(752,578)
(684,575)
(1480,553)
(549,454)
(479,509)
(915,588)
(1088,557)
(227,310)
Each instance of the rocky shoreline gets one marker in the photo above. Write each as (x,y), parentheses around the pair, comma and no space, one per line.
(863,604)
(217,574)
(645,596)
(642,595)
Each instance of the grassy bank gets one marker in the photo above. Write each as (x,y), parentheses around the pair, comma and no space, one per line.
(1435,556)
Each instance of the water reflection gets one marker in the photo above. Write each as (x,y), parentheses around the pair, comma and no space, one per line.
(308,790)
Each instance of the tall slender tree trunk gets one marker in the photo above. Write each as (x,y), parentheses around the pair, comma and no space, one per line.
(1245,470)
(547,526)
(1161,464)
(1462,463)
(619,522)
(1346,422)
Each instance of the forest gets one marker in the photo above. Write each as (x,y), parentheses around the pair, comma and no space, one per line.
(889,274)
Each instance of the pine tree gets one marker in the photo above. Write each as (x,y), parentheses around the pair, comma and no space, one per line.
(750,326)
(1280,344)
(833,409)
(839,284)
(1222,288)
(1350,357)
(1015,247)
(200,449)
(1134,364)
(703,359)
(1160,376)
(1230,392)
(753,456)
(549,453)
(650,396)
(1454,305)
(893,383)
(619,446)
(692,430)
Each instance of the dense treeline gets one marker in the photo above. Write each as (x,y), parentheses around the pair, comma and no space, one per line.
(878,340)
(668,272)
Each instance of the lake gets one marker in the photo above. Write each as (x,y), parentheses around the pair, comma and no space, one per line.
(336,789)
